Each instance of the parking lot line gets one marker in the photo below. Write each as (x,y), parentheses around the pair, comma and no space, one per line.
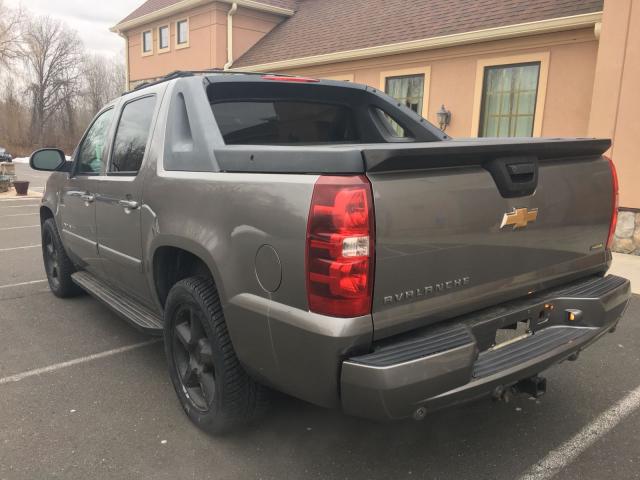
(19,199)
(22,283)
(89,358)
(16,228)
(22,206)
(19,248)
(572,448)
(19,215)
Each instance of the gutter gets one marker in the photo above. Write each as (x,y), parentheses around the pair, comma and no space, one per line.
(232,11)
(184,5)
(573,22)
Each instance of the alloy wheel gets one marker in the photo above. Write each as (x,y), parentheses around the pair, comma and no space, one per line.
(51,259)
(193,357)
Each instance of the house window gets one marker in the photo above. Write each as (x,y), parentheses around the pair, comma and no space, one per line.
(163,37)
(147,42)
(407,89)
(509,96)
(182,33)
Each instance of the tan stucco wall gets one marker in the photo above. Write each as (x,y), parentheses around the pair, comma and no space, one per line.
(454,73)
(616,98)
(207,40)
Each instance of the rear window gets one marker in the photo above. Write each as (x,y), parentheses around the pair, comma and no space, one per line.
(284,122)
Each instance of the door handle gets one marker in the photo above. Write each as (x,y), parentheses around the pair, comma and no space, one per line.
(88,197)
(130,204)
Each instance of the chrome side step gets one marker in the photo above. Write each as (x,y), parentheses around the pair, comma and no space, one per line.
(130,309)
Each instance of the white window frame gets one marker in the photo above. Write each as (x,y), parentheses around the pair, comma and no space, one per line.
(405,72)
(177,23)
(168,47)
(150,52)
(505,61)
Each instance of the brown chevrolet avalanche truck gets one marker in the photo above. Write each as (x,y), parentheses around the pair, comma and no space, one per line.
(320,239)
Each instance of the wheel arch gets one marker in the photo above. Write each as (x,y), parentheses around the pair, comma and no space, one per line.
(174,259)
(45,214)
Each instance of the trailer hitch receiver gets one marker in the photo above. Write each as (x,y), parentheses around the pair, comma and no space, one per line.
(535,386)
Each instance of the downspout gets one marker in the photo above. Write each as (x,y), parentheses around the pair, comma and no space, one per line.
(127,74)
(232,11)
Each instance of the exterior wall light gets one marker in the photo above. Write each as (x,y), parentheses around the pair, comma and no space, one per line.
(444,117)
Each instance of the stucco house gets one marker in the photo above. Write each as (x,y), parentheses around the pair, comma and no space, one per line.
(501,67)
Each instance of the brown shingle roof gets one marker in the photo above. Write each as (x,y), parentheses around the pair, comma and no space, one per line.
(328,26)
(151,6)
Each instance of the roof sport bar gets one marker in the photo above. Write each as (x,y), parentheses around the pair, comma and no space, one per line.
(190,73)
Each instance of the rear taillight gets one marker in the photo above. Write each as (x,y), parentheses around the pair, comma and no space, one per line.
(340,243)
(614,202)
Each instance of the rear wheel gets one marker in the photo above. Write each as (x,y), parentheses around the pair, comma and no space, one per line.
(57,264)
(213,388)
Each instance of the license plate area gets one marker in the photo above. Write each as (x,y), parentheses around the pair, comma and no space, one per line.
(513,333)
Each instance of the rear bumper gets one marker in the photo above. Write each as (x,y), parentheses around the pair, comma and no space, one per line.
(452,363)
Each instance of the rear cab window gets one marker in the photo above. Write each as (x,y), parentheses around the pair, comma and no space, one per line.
(284,122)
(295,114)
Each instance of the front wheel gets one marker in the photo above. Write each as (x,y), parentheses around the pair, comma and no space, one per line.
(213,388)
(57,264)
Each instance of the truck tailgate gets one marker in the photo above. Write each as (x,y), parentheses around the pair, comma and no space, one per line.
(453,235)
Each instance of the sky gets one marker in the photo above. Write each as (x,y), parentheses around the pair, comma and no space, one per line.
(91,18)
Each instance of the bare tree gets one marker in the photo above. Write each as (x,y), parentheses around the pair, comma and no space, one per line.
(51,54)
(64,85)
(104,79)
(10,33)
(13,133)
(117,76)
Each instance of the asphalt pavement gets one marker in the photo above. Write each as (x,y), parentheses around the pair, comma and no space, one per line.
(84,395)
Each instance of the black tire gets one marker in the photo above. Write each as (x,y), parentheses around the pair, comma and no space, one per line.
(57,264)
(213,388)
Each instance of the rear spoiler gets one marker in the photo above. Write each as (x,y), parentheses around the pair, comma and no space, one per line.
(388,157)
(469,152)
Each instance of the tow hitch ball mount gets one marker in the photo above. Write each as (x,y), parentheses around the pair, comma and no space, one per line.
(535,386)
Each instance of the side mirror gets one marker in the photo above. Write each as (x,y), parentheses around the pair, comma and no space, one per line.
(47,159)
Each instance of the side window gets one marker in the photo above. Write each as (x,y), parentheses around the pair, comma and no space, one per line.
(132,134)
(89,157)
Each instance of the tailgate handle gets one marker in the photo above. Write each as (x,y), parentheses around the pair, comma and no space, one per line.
(515,176)
(521,172)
